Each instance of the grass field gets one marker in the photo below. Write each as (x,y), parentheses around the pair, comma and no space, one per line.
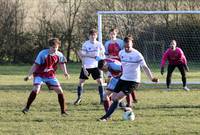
(158,112)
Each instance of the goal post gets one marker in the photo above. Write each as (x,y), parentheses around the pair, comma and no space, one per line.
(152,41)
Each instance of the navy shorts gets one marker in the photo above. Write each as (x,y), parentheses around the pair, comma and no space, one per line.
(126,86)
(95,72)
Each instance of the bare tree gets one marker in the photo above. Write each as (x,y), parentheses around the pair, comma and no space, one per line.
(70,15)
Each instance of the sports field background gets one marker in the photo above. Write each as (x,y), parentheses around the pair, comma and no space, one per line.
(157,112)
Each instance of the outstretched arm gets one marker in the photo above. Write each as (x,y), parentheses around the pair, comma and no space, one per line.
(184,60)
(149,74)
(164,58)
(83,61)
(30,73)
(163,61)
(64,69)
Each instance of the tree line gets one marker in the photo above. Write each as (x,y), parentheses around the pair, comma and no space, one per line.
(24,33)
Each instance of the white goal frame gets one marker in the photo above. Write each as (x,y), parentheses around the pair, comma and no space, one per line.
(101,13)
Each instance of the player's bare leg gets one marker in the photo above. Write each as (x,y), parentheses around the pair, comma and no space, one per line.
(107,100)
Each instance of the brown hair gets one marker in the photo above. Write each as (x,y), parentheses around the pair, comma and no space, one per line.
(113,30)
(101,63)
(93,31)
(128,38)
(54,41)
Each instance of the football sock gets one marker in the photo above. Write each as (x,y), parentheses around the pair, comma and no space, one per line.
(129,100)
(79,91)
(133,94)
(106,105)
(31,99)
(101,91)
(112,108)
(61,101)
(184,81)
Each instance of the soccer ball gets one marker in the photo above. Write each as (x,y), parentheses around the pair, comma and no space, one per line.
(128,114)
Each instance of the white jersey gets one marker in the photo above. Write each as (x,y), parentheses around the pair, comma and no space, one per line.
(131,64)
(96,49)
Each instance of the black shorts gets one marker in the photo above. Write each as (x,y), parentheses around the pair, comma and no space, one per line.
(126,86)
(95,72)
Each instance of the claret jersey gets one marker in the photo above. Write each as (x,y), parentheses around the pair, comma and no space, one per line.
(46,63)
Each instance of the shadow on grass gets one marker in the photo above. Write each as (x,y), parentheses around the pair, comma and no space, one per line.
(169,107)
(69,87)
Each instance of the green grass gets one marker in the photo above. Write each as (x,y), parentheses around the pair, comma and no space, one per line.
(157,112)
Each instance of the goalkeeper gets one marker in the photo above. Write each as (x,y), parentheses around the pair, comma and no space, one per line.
(176,58)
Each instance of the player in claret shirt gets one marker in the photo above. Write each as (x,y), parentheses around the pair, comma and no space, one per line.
(176,58)
(115,68)
(43,71)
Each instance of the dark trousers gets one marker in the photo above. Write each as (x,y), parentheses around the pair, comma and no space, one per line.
(171,68)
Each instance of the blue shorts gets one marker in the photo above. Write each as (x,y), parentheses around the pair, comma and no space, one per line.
(112,83)
(48,81)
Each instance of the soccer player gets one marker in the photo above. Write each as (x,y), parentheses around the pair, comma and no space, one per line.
(115,68)
(43,71)
(132,61)
(176,58)
(114,45)
(112,48)
(91,50)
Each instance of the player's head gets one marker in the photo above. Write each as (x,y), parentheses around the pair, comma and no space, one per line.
(113,33)
(54,44)
(128,41)
(93,34)
(102,65)
(173,44)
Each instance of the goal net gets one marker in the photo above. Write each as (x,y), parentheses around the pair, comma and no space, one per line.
(153,31)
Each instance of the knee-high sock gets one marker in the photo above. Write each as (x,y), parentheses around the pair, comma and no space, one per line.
(106,104)
(133,94)
(31,98)
(61,100)
(129,100)
(184,81)
(112,108)
(168,79)
(101,92)
(79,91)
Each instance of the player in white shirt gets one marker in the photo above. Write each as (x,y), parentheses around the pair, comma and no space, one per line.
(112,49)
(132,61)
(91,50)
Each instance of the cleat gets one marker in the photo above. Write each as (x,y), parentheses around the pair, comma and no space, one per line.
(102,119)
(25,110)
(167,89)
(64,114)
(135,101)
(101,103)
(122,105)
(186,88)
(78,101)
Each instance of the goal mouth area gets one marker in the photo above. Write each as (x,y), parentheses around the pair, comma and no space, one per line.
(153,31)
